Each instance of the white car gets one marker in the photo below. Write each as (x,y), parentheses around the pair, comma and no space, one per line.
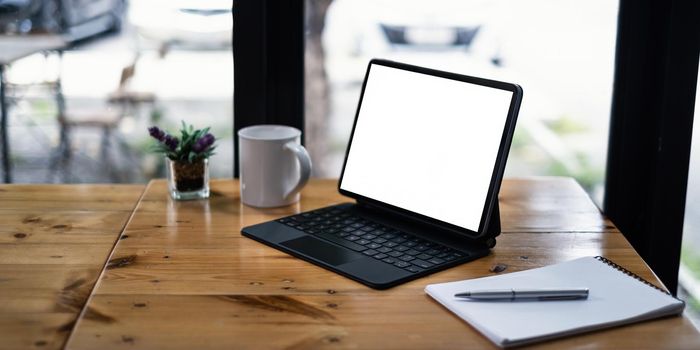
(197,23)
(413,31)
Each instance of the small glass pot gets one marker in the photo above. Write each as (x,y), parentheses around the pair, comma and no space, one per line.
(188,180)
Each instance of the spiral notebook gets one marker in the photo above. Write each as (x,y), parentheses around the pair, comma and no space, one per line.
(616,297)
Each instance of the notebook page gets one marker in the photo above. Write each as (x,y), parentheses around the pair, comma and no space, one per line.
(613,297)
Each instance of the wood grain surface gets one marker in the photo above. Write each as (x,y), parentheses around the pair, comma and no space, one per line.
(183,277)
(54,241)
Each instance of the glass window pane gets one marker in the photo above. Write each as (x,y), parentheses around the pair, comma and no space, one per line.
(156,62)
(689,275)
(560,52)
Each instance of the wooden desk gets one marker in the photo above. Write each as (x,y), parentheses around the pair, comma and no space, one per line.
(54,240)
(183,277)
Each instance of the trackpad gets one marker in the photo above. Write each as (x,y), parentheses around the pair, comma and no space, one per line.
(320,250)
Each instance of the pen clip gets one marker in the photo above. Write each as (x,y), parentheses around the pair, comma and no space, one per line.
(560,297)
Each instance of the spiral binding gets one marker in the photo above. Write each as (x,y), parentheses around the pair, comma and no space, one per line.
(629,273)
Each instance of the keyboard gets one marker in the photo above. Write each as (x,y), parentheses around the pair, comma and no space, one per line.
(383,243)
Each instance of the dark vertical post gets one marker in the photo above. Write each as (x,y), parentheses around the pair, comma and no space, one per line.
(6,164)
(656,64)
(268,64)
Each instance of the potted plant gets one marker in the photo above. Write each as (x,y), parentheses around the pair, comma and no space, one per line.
(187,160)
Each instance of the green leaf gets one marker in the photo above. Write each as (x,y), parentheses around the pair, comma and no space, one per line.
(196,135)
(183,131)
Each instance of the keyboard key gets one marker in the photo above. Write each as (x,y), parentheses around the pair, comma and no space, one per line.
(342,242)
(414,269)
(402,264)
(374,245)
(380,242)
(421,263)
(436,261)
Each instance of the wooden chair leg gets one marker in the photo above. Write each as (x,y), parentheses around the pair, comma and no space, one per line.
(105,147)
(61,155)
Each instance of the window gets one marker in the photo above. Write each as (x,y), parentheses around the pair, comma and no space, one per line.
(560,52)
(180,58)
(689,275)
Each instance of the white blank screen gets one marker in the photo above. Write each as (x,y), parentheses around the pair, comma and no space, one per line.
(426,144)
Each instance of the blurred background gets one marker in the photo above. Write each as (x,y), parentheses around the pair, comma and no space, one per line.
(80,114)
(564,63)
(125,66)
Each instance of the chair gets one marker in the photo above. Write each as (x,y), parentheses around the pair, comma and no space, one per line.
(122,102)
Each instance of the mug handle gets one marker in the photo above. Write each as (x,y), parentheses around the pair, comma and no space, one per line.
(304,166)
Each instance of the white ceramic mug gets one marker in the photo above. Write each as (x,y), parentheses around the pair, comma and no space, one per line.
(274,165)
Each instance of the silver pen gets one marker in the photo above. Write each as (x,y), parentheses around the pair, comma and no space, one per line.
(525,294)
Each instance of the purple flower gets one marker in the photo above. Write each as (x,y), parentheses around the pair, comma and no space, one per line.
(171,142)
(157,133)
(203,143)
